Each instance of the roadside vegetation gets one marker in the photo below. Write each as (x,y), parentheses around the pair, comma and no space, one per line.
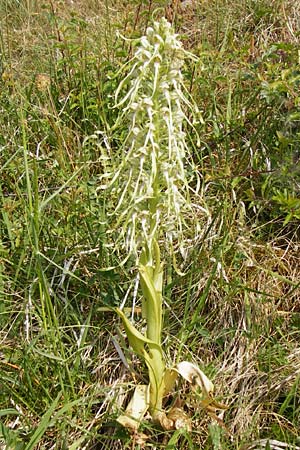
(231,304)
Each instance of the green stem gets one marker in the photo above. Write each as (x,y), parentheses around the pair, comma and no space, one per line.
(151,284)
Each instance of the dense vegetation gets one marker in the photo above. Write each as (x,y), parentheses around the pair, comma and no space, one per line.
(65,371)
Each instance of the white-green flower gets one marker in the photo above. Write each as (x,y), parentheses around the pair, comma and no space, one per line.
(151,183)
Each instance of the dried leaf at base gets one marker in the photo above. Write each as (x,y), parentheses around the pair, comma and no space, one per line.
(136,409)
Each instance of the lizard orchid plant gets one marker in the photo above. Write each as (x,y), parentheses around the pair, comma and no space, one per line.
(153,205)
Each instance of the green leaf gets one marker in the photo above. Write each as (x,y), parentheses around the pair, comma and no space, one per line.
(43,425)
(153,358)
(153,303)
(9,411)
(11,438)
(136,339)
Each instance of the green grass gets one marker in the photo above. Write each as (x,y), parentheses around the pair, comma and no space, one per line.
(236,311)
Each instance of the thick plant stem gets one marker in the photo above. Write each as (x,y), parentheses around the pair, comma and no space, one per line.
(156,379)
(151,274)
